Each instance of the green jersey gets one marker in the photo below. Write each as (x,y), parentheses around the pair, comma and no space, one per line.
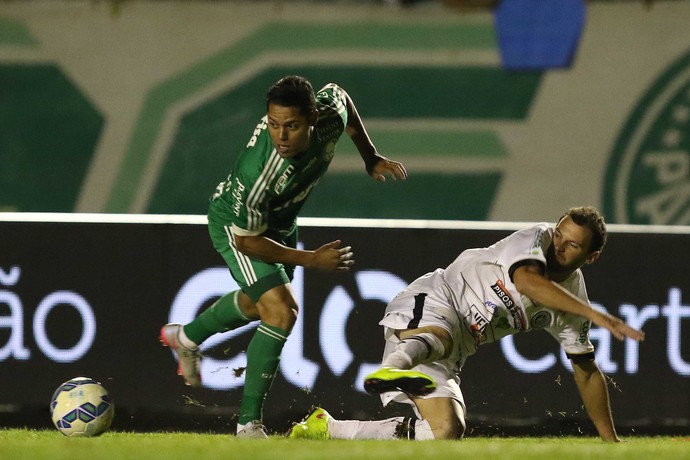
(265,192)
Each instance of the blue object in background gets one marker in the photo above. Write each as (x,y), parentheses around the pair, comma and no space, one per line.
(539,34)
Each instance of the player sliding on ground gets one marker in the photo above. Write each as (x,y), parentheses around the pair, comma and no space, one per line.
(528,280)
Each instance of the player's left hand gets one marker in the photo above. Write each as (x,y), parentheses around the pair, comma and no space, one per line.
(617,327)
(382,166)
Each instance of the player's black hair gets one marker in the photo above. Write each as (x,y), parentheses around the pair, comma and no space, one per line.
(590,217)
(293,91)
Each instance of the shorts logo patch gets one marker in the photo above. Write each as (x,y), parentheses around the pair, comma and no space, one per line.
(648,175)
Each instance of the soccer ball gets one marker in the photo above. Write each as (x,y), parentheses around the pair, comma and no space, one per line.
(81,407)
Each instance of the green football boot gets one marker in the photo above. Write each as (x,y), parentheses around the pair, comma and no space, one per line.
(392,379)
(314,426)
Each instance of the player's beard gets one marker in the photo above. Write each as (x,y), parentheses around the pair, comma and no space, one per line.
(553,266)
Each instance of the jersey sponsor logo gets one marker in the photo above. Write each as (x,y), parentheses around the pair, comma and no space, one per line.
(648,175)
(490,304)
(541,319)
(237,194)
(301,197)
(584,332)
(478,323)
(329,131)
(282,181)
(537,243)
(263,124)
(515,311)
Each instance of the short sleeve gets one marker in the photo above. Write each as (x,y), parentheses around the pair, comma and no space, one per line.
(524,246)
(332,103)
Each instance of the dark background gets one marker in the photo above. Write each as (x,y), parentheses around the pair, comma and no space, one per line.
(130,274)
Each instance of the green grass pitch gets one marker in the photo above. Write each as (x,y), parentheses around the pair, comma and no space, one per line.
(18,444)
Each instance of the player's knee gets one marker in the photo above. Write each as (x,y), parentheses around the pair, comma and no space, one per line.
(454,430)
(444,421)
(283,316)
(449,429)
(278,307)
(444,415)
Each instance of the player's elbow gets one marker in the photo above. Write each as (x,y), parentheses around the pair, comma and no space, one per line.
(526,280)
(529,278)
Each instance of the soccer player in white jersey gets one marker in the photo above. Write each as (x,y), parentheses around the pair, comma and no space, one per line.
(253,225)
(528,280)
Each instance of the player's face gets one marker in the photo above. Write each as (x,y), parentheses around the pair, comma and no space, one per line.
(569,248)
(289,129)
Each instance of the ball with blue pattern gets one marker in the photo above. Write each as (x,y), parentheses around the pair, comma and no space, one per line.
(81,407)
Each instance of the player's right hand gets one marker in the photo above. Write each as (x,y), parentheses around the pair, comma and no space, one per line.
(331,256)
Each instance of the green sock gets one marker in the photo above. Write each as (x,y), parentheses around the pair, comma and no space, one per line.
(224,315)
(263,356)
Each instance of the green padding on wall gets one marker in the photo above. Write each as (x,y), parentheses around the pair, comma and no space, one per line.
(472,92)
(15,33)
(210,137)
(421,196)
(485,144)
(48,132)
(281,37)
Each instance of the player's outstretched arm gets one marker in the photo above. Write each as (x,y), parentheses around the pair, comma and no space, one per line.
(616,326)
(377,166)
(591,384)
(330,256)
(530,282)
(383,167)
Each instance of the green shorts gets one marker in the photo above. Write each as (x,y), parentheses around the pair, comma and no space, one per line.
(254,276)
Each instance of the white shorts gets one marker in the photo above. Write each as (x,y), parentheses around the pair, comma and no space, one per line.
(398,317)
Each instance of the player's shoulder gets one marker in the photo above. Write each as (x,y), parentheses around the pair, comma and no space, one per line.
(538,231)
(535,230)
(255,154)
(539,226)
(331,96)
(531,240)
(330,90)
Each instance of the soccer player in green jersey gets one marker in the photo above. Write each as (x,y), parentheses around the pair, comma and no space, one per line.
(252,223)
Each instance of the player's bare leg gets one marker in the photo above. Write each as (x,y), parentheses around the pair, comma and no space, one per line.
(445,416)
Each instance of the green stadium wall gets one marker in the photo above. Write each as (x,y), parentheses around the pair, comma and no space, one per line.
(142,107)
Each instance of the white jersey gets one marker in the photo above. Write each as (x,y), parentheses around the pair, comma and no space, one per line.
(475,299)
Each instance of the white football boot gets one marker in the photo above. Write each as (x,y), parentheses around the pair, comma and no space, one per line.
(188,359)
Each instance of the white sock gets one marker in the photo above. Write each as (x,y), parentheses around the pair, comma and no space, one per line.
(392,428)
(400,358)
(186,341)
(241,427)
(413,350)
(423,431)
